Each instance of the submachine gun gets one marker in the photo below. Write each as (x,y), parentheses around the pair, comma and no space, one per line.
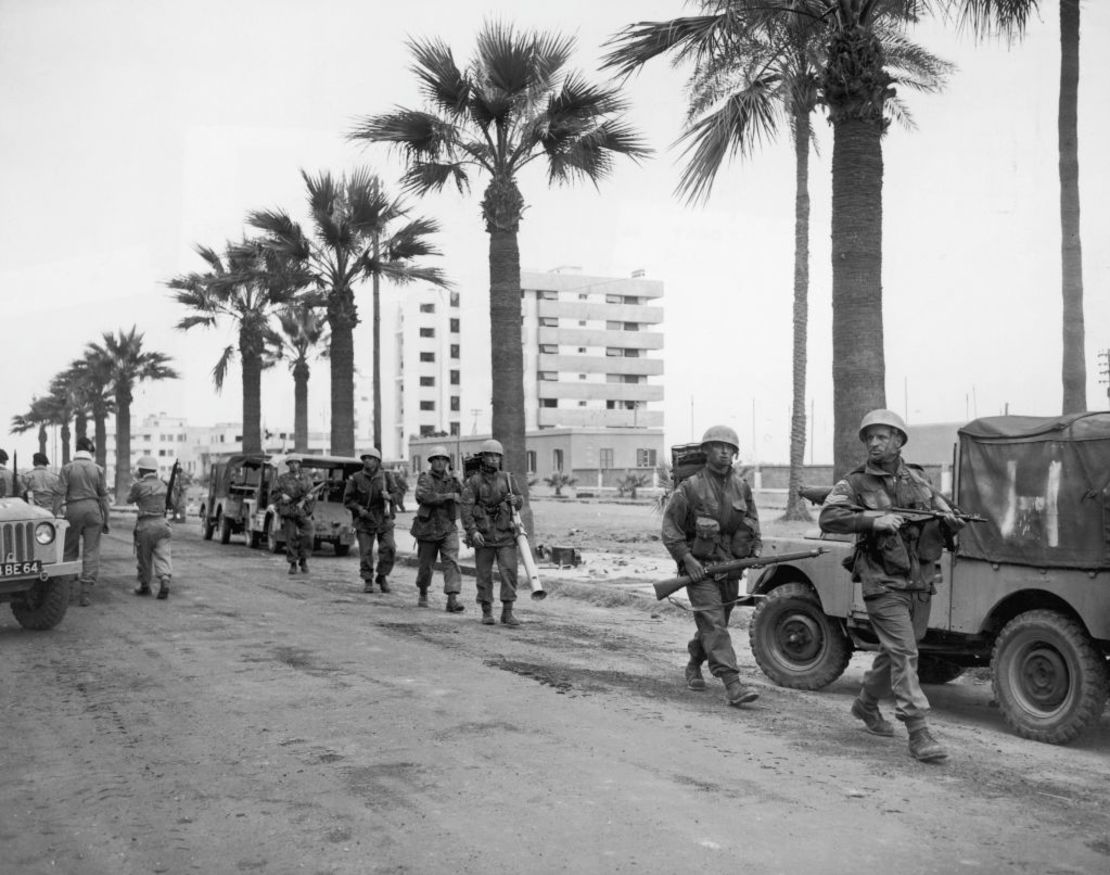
(669,587)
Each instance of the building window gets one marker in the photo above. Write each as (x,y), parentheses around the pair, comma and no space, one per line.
(427,381)
(610,405)
(581,376)
(581,403)
(549,322)
(632,378)
(427,332)
(557,460)
(454,350)
(427,308)
(613,326)
(426,431)
(632,300)
(454,429)
(549,402)
(614,299)
(454,299)
(613,352)
(582,349)
(548,295)
(454,378)
(581,323)
(427,405)
(427,356)
(582,296)
(530,460)
(549,376)
(631,326)
(645,458)
(549,348)
(161,452)
(606,457)
(454,326)
(632,353)
(455,402)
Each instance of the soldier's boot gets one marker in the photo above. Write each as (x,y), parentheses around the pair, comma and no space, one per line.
(144,589)
(84,593)
(292,567)
(872,718)
(694,679)
(453,606)
(737,693)
(367,586)
(164,588)
(926,748)
(487,614)
(507,616)
(304,566)
(383,584)
(422,601)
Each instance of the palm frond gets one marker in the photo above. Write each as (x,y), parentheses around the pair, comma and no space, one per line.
(219,372)
(443,82)
(993,18)
(589,157)
(425,177)
(687,37)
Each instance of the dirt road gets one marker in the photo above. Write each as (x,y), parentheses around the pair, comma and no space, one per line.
(257,722)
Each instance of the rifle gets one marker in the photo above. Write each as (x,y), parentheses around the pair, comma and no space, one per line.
(674,584)
(915,514)
(171,505)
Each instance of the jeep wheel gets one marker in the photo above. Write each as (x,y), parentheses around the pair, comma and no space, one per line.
(43,605)
(794,642)
(1049,679)
(255,539)
(272,543)
(225,530)
(935,670)
(342,549)
(207,527)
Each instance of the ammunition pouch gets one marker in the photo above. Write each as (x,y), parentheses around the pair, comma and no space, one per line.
(706,532)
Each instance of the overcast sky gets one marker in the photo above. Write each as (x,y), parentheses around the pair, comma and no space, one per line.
(134,129)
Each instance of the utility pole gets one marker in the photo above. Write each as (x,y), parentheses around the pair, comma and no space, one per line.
(475,411)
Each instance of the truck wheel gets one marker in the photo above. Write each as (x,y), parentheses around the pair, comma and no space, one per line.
(794,642)
(342,549)
(272,543)
(255,539)
(934,670)
(43,605)
(225,530)
(1049,679)
(207,527)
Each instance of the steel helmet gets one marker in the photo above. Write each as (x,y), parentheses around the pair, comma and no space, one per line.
(293,460)
(721,434)
(492,446)
(372,453)
(883,417)
(439,452)
(148,463)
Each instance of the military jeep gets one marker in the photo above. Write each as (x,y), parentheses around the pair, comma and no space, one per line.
(34,579)
(1027,592)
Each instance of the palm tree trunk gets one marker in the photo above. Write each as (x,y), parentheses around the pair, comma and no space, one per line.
(42,439)
(123,440)
(300,406)
(80,424)
(100,433)
(376,339)
(341,318)
(1071,250)
(795,504)
(252,399)
(65,442)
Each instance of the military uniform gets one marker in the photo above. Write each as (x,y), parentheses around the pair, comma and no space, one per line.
(41,484)
(83,493)
(296,516)
(488,499)
(369,499)
(152,533)
(435,531)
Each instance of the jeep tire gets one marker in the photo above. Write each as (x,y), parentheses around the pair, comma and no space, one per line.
(1049,679)
(794,642)
(225,530)
(44,605)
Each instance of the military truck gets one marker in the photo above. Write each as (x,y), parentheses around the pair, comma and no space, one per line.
(1027,592)
(34,578)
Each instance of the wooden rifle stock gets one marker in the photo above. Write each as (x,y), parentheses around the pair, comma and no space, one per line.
(674,584)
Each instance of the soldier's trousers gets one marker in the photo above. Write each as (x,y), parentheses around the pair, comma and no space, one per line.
(83,537)
(299,532)
(447,548)
(899,620)
(711,641)
(387,553)
(152,549)
(506,557)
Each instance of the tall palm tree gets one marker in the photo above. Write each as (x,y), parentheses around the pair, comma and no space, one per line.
(92,374)
(354,238)
(302,330)
(513,104)
(247,286)
(38,416)
(1074,363)
(128,365)
(748,82)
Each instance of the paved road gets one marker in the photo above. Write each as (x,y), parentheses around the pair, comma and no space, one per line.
(258,722)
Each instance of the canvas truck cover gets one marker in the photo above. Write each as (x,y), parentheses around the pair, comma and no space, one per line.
(1041,482)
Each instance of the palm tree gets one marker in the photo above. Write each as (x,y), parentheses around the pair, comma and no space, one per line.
(355,237)
(302,330)
(38,415)
(1071,248)
(513,104)
(746,84)
(92,374)
(247,287)
(127,365)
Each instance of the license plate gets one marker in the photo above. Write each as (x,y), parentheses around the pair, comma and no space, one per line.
(20,569)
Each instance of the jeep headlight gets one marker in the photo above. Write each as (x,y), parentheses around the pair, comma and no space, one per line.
(44,533)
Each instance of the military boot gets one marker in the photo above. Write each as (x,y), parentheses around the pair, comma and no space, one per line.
(367,586)
(453,606)
(83,594)
(737,694)
(872,718)
(507,616)
(487,614)
(422,601)
(144,589)
(926,748)
(694,679)
(304,566)
(164,588)
(383,584)
(292,567)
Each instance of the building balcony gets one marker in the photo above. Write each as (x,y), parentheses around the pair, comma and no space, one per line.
(600,337)
(582,391)
(550,417)
(599,364)
(639,313)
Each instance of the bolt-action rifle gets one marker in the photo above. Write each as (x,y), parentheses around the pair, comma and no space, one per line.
(819,495)
(674,584)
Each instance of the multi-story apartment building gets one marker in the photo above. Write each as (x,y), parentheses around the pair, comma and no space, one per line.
(592,350)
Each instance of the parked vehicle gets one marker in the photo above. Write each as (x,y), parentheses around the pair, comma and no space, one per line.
(237,487)
(332,521)
(1027,592)
(34,578)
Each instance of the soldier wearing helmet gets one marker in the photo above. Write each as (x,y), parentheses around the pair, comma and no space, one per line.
(152,532)
(83,493)
(895,560)
(489,497)
(711,517)
(433,527)
(370,499)
(294,505)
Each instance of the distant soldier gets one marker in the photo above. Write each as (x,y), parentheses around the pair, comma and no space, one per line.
(369,497)
(433,526)
(40,483)
(82,497)
(711,518)
(152,532)
(487,504)
(293,490)
(7,478)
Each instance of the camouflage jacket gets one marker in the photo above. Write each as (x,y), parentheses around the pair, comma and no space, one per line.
(297,487)
(488,500)
(436,496)
(722,508)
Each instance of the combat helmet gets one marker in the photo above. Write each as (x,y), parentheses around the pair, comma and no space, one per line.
(439,452)
(883,417)
(372,453)
(721,434)
(147,463)
(492,446)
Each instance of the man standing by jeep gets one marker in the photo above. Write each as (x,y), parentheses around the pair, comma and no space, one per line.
(294,492)
(711,517)
(369,498)
(152,532)
(437,492)
(82,497)
(896,561)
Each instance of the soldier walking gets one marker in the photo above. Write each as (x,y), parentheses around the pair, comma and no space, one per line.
(369,498)
(152,532)
(896,560)
(711,517)
(82,497)
(488,501)
(294,489)
(437,492)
